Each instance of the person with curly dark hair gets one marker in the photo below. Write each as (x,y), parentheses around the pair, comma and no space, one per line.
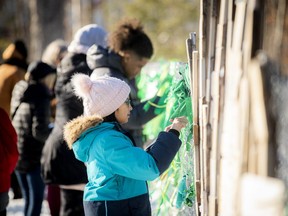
(130,49)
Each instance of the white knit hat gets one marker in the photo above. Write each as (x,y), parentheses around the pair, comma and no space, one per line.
(101,96)
(86,37)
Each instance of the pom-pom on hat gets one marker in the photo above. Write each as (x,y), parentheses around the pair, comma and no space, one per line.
(86,37)
(101,96)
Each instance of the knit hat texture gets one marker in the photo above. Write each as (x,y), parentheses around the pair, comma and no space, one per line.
(86,37)
(39,70)
(101,96)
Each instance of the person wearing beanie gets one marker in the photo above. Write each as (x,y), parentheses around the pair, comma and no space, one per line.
(55,52)
(86,36)
(30,111)
(117,169)
(59,165)
(130,49)
(12,70)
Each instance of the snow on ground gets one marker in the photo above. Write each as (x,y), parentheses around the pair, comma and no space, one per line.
(15,208)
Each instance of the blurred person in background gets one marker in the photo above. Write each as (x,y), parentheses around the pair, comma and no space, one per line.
(130,49)
(12,70)
(30,110)
(8,158)
(59,165)
(54,52)
(52,55)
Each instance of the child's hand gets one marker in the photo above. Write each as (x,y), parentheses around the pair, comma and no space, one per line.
(177,123)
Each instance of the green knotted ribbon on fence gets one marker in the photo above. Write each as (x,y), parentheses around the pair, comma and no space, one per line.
(172,81)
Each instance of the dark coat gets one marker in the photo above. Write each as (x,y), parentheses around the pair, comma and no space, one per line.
(59,165)
(31,122)
(106,62)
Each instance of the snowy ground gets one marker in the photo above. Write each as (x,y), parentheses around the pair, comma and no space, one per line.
(15,208)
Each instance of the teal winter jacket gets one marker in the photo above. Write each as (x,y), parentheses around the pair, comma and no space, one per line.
(116,169)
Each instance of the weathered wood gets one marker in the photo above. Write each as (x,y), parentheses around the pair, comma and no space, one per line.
(214,156)
(246,134)
(261,196)
(230,165)
(189,58)
(214,141)
(258,118)
(195,90)
(192,56)
(204,161)
(248,34)
(197,175)
(231,101)
(201,93)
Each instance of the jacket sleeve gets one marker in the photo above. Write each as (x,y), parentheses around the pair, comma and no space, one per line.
(41,120)
(164,149)
(126,160)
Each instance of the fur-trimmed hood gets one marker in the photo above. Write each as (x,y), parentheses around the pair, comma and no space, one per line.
(74,128)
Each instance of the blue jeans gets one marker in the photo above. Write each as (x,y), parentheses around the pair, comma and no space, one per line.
(32,187)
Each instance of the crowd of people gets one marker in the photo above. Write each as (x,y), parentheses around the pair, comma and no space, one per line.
(71,124)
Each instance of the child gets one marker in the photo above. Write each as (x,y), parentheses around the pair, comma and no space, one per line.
(117,169)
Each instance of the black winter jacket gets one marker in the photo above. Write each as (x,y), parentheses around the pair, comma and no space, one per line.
(59,165)
(31,106)
(105,62)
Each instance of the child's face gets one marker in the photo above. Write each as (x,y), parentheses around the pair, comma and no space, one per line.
(122,114)
(133,63)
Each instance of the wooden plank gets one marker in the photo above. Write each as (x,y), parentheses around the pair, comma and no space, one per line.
(230,164)
(197,175)
(247,136)
(258,117)
(205,162)
(260,195)
(214,148)
(192,55)
(215,88)
(201,92)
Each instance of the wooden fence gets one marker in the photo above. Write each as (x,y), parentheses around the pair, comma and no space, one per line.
(238,81)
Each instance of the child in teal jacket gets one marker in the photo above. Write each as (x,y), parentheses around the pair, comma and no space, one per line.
(117,170)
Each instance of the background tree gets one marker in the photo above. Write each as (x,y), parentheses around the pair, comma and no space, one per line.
(36,22)
(168,22)
(39,22)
